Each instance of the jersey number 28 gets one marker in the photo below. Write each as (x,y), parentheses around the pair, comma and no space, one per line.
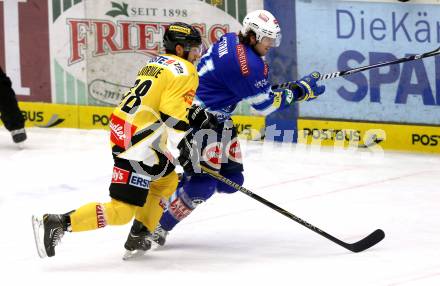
(134,99)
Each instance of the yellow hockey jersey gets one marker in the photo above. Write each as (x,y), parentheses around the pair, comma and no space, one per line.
(152,113)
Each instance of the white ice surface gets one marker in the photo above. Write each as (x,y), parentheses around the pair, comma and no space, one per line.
(231,239)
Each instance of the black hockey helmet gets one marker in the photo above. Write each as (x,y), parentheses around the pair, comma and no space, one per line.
(182,34)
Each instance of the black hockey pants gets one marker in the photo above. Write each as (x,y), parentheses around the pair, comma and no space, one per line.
(10,113)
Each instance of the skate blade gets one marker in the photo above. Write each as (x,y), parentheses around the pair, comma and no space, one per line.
(155,245)
(20,146)
(37,225)
(132,254)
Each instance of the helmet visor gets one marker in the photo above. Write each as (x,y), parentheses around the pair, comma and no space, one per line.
(194,48)
(272,42)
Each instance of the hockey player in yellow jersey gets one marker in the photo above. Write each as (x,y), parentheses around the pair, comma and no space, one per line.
(150,120)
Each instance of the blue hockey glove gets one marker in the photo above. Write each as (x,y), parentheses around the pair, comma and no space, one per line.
(306,88)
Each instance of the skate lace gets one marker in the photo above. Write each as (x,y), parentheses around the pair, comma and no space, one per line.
(137,242)
(57,235)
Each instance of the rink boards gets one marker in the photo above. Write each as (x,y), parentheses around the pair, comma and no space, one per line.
(370,135)
(375,136)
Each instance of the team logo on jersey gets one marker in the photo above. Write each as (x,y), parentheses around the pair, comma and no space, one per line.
(242,60)
(100,217)
(189,97)
(234,150)
(163,60)
(179,210)
(212,155)
(140,181)
(261,83)
(121,131)
(120,176)
(176,66)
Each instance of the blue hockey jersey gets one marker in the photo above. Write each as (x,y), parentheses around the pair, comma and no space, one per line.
(230,72)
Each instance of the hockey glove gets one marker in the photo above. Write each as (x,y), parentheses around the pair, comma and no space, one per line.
(306,88)
(195,151)
(189,155)
(200,118)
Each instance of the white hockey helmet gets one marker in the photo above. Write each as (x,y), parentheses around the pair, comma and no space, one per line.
(265,26)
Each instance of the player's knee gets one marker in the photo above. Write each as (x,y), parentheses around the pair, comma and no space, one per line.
(200,188)
(194,191)
(119,213)
(236,177)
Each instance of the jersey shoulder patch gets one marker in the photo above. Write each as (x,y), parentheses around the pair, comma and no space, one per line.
(174,64)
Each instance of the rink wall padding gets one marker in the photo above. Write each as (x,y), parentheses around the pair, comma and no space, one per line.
(370,135)
(344,134)
(45,115)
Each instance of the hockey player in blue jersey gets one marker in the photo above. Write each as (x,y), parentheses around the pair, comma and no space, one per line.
(231,71)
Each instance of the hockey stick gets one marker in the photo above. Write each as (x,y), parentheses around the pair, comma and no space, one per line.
(356,70)
(358,246)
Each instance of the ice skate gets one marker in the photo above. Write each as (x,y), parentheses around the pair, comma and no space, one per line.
(138,241)
(159,236)
(19,136)
(48,231)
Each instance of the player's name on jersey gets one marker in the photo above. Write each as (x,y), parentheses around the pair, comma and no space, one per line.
(150,70)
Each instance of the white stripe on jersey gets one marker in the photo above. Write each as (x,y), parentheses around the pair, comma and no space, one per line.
(258,99)
(174,138)
(208,66)
(142,151)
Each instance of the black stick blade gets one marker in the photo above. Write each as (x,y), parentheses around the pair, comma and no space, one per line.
(369,241)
